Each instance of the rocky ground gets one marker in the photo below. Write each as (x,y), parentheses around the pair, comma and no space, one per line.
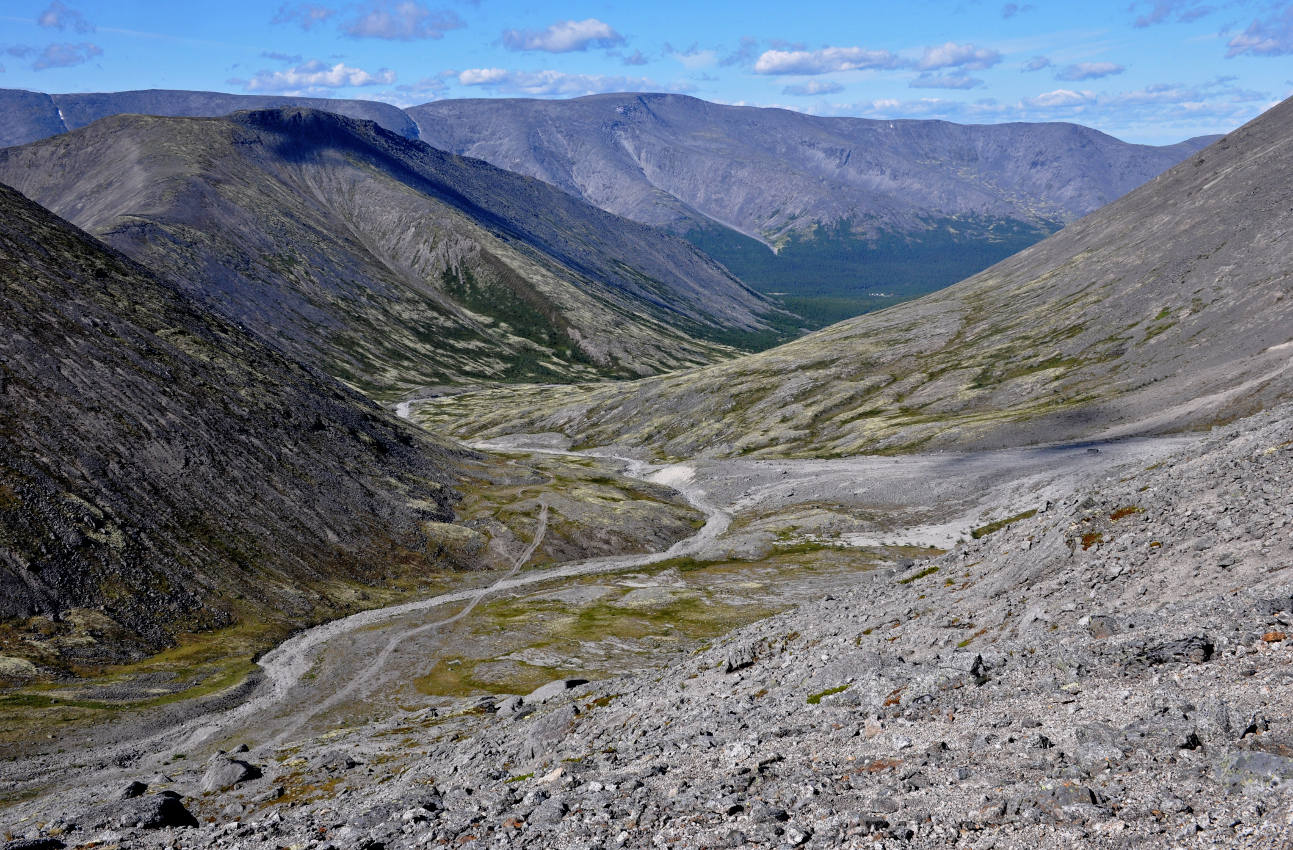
(1110,671)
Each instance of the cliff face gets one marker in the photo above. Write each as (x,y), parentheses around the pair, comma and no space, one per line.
(161,470)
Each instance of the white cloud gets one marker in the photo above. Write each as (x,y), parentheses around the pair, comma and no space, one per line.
(1088,71)
(547,83)
(1037,63)
(564,37)
(404,21)
(66,55)
(315,75)
(61,16)
(1059,98)
(1271,37)
(813,87)
(825,61)
(953,55)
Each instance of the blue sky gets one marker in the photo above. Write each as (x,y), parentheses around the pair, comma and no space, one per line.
(1150,71)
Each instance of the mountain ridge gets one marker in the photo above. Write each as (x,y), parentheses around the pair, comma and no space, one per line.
(492,129)
(37,115)
(392,264)
(859,213)
(164,472)
(1169,308)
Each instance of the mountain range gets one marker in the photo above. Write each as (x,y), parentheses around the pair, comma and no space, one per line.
(833,216)
(851,205)
(31,116)
(1171,308)
(215,329)
(384,261)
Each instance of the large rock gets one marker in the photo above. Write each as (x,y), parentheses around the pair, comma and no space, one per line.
(553,689)
(547,732)
(155,811)
(225,772)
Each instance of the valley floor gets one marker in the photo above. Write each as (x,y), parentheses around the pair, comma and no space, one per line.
(1100,658)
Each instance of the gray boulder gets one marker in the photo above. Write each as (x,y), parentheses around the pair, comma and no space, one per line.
(156,811)
(225,772)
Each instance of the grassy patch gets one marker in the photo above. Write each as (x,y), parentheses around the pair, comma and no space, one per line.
(985,530)
(928,571)
(815,699)
(1124,512)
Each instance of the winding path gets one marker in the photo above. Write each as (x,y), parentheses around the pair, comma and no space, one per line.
(262,716)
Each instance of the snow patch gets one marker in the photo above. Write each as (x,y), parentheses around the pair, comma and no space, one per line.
(674,475)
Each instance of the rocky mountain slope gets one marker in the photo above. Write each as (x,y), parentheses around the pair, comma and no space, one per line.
(386,262)
(680,162)
(862,213)
(161,471)
(31,116)
(1108,670)
(852,204)
(1170,308)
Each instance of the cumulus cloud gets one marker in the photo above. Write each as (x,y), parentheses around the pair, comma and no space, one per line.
(564,37)
(314,76)
(967,57)
(304,15)
(813,87)
(635,58)
(541,83)
(1037,63)
(63,17)
(1272,36)
(944,81)
(825,61)
(404,21)
(1059,97)
(1160,10)
(1088,71)
(65,55)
